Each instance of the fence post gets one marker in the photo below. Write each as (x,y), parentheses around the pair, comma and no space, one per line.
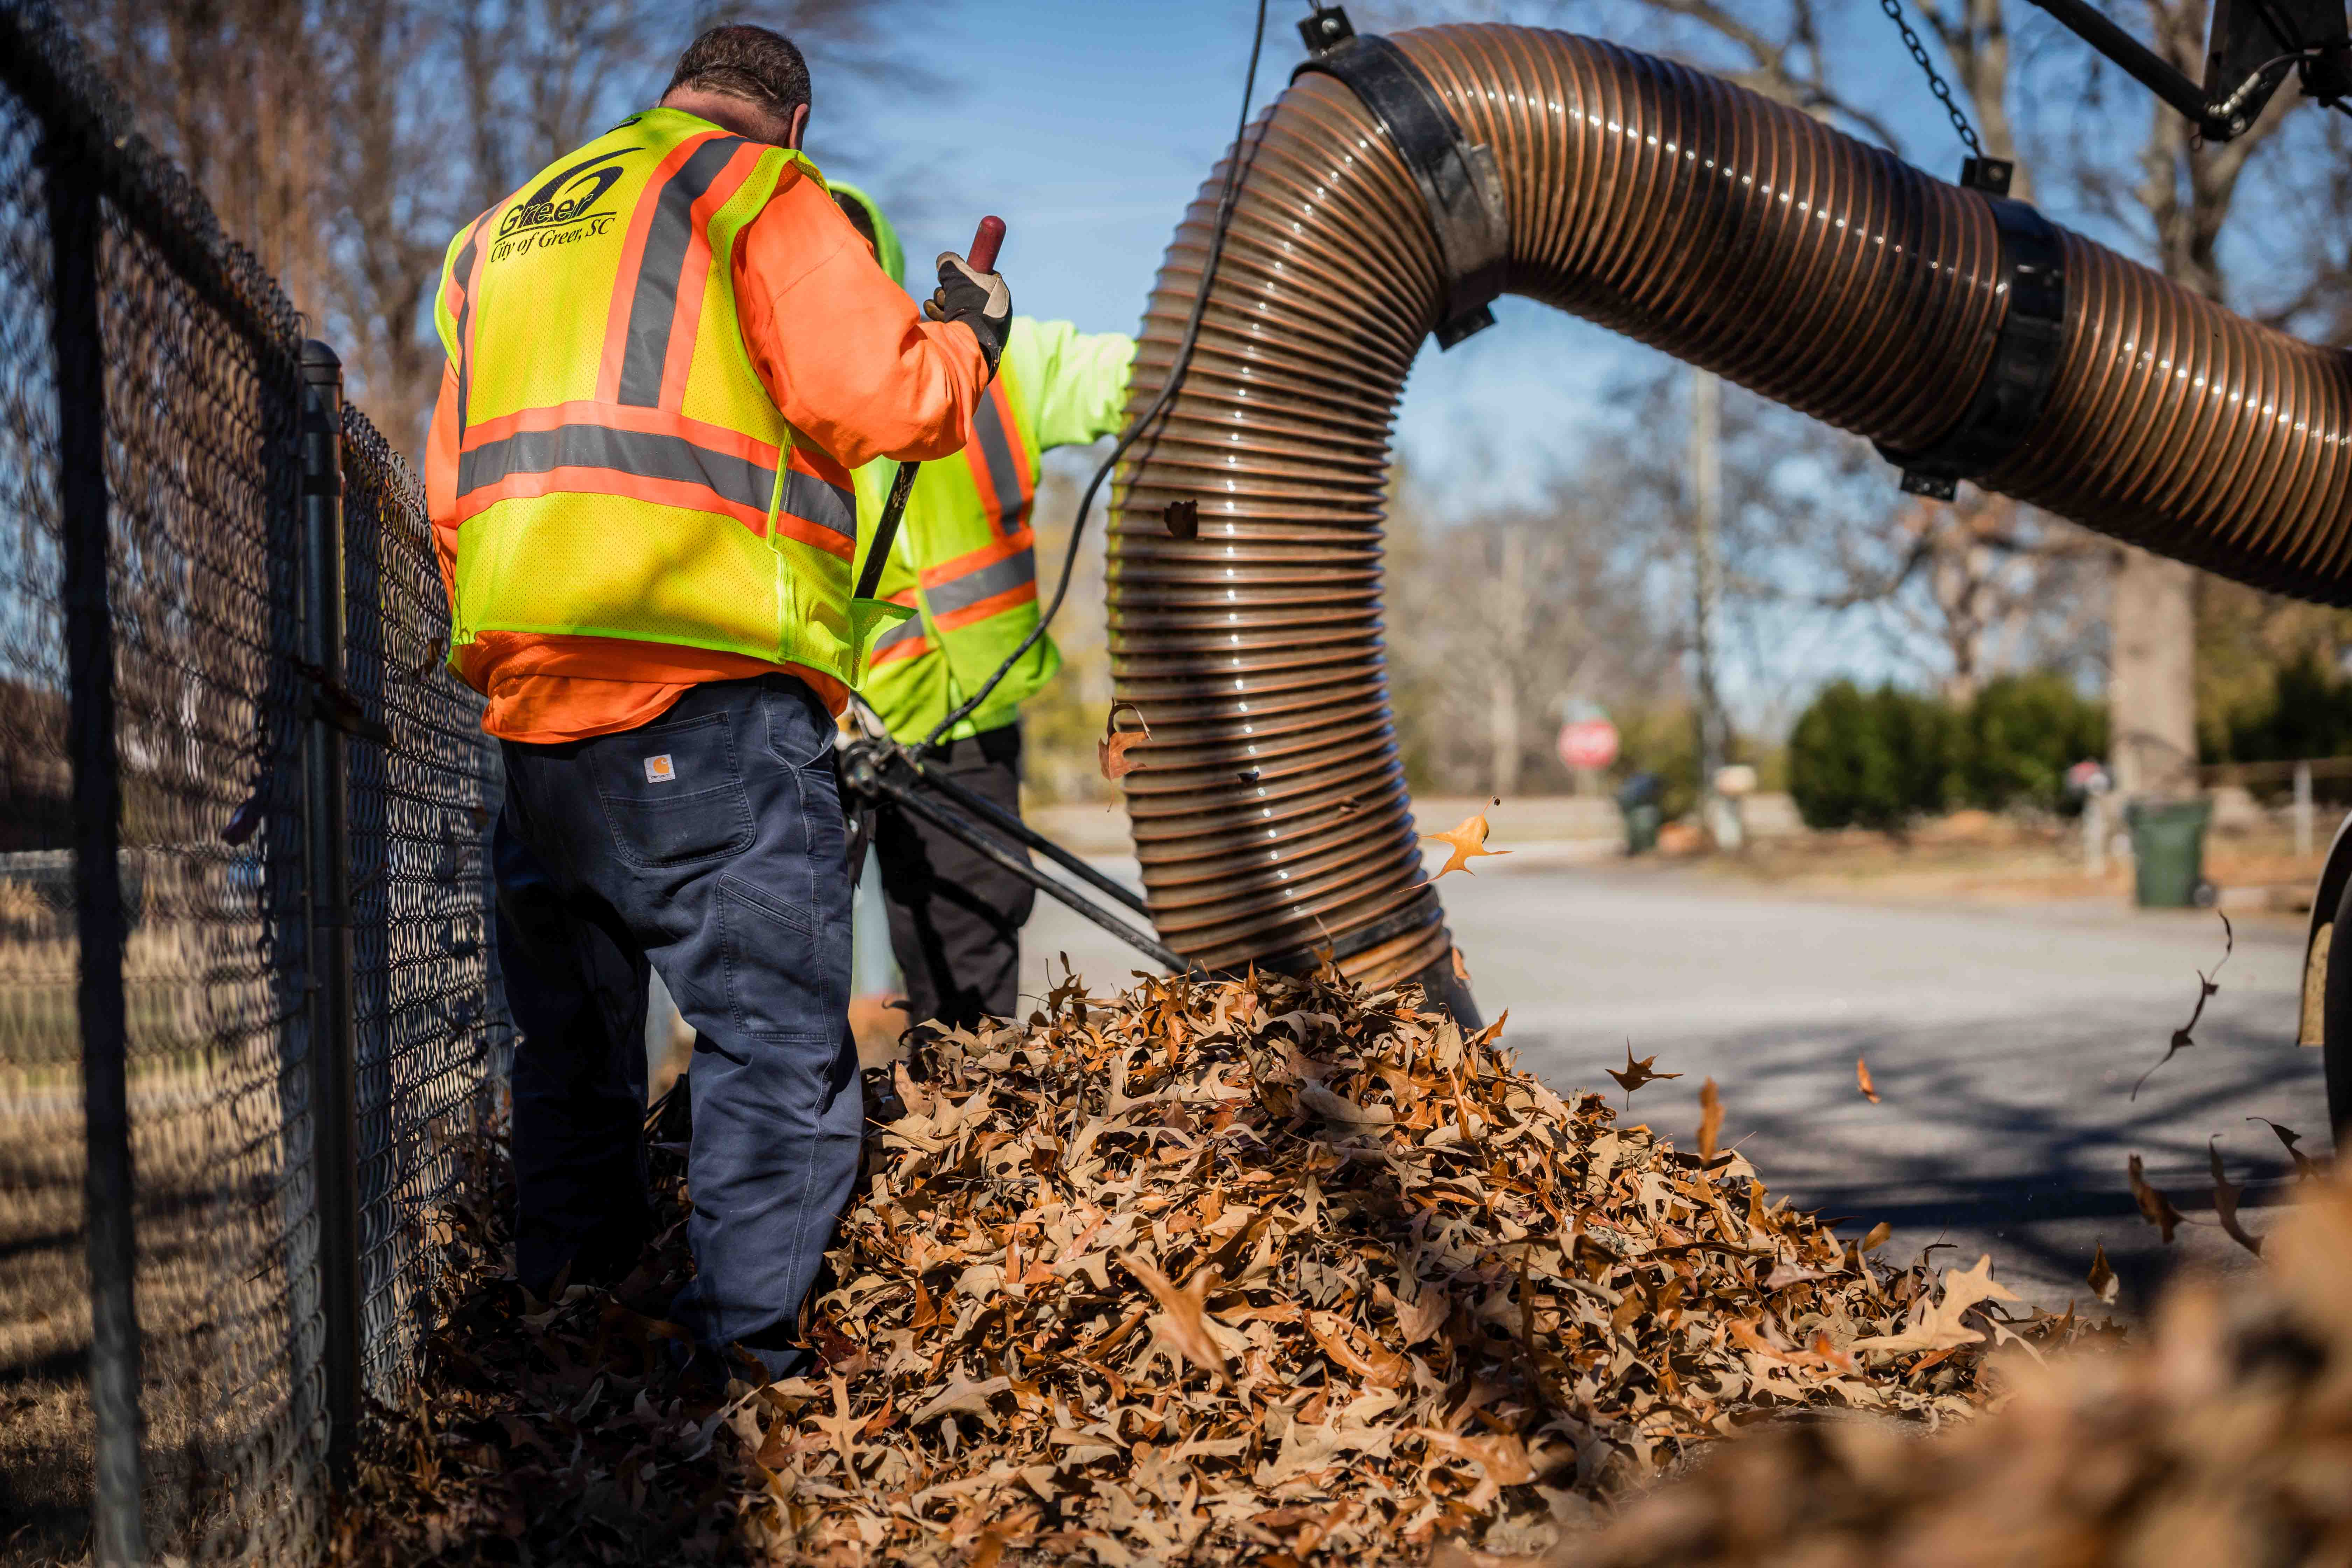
(117,1528)
(333,1089)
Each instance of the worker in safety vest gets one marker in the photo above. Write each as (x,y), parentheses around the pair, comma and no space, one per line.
(666,352)
(966,563)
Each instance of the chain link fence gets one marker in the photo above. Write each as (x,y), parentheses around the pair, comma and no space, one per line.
(158,506)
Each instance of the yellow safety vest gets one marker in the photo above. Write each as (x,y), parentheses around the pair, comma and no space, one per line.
(966,557)
(622,471)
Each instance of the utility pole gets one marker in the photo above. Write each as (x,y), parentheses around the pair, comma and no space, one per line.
(1509,607)
(1720,816)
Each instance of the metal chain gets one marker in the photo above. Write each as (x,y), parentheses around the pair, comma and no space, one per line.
(1893,9)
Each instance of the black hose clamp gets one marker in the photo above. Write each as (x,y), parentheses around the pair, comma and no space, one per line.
(1459,180)
(2010,400)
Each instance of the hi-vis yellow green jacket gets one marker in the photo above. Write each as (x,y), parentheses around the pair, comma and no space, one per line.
(622,471)
(966,557)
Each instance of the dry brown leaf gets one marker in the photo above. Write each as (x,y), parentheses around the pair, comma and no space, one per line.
(1382,1367)
(1862,1077)
(2191,1432)
(2225,1205)
(965,1394)
(1636,1073)
(1385,1227)
(2305,1168)
(2207,988)
(2154,1207)
(1710,1118)
(1182,1320)
(1110,751)
(2102,1279)
(1469,840)
(1502,1460)
(1942,1328)
(1419,1317)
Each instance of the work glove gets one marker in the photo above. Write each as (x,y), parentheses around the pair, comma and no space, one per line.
(978,299)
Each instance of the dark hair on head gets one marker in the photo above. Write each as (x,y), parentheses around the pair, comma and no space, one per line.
(746,62)
(859,219)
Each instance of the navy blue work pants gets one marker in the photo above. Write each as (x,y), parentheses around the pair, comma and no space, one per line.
(709,845)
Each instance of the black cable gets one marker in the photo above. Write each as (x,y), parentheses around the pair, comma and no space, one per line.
(1174,383)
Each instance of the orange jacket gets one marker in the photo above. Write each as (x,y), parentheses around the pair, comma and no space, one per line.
(854,367)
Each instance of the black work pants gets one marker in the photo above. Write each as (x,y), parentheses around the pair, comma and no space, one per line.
(956,916)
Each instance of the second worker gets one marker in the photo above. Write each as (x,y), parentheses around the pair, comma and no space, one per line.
(965,560)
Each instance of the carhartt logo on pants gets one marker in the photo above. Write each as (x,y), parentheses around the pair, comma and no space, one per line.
(658,769)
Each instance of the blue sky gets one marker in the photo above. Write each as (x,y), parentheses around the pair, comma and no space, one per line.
(1088,127)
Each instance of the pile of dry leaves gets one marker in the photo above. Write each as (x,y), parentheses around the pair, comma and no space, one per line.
(2221,1440)
(1216,1270)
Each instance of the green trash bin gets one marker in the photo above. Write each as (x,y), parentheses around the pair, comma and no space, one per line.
(2167,840)
(1642,825)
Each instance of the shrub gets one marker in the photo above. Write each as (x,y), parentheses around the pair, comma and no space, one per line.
(1870,759)
(2019,736)
(2307,714)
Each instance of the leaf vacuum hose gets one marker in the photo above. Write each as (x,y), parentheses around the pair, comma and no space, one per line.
(1271,817)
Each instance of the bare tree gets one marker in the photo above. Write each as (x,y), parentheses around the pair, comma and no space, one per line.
(2047,103)
(345,141)
(1499,618)
(1986,583)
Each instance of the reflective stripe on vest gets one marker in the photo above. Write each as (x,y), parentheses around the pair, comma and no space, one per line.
(1000,462)
(460,298)
(622,470)
(906,640)
(657,301)
(713,469)
(983,583)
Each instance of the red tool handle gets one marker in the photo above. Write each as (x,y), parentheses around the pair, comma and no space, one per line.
(984,242)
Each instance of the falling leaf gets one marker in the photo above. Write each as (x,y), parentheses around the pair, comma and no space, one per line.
(2225,1204)
(1181,1323)
(1637,1073)
(2154,1207)
(1710,1118)
(1862,1078)
(2306,1167)
(2101,1278)
(1943,1327)
(434,660)
(1468,840)
(1181,518)
(2207,987)
(1110,751)
(1461,967)
(1877,1236)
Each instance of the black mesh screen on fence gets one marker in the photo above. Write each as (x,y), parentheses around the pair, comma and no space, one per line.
(198,354)
(420,815)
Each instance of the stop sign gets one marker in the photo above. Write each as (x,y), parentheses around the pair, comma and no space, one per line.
(1587,743)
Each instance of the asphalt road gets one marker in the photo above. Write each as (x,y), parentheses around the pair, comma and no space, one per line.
(2005,1043)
